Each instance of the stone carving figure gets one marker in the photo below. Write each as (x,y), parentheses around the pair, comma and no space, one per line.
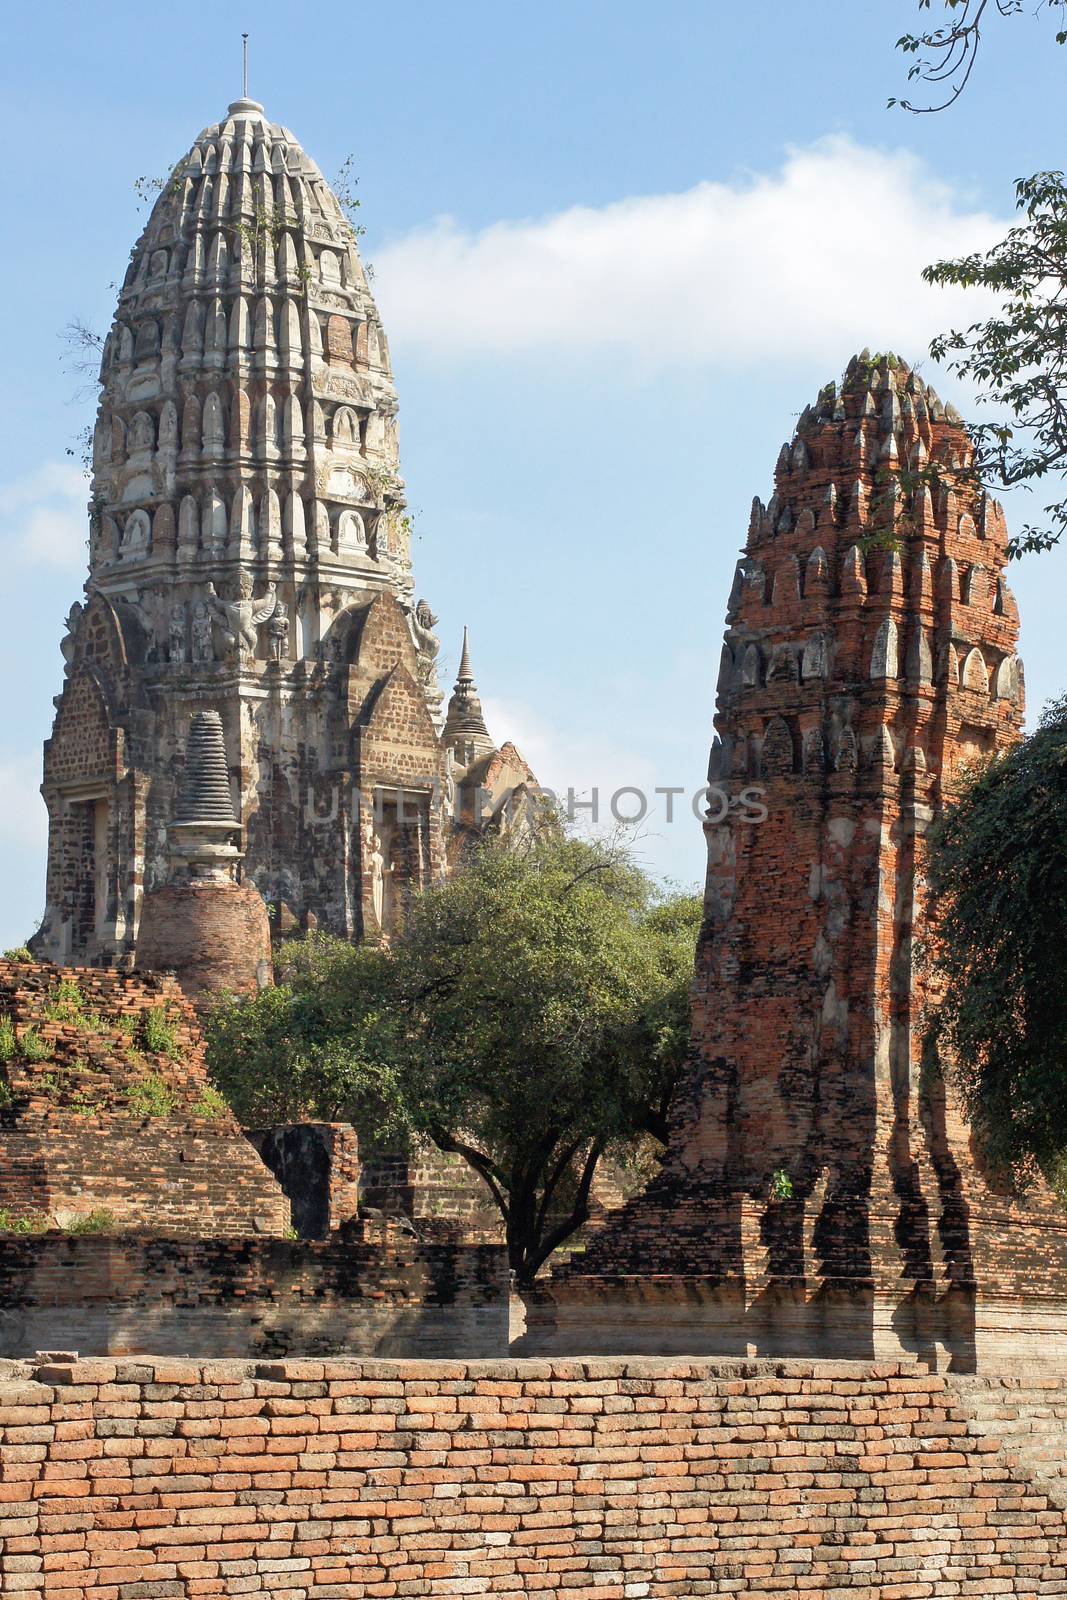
(278,629)
(74,617)
(378,869)
(427,643)
(203,642)
(177,632)
(137,534)
(450,782)
(241,618)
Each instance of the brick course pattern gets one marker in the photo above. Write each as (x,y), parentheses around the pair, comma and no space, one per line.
(75,1134)
(600,1480)
(372,1293)
(214,936)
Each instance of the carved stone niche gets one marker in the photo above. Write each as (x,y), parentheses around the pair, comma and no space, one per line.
(777,756)
(336,481)
(785,665)
(815,658)
(813,750)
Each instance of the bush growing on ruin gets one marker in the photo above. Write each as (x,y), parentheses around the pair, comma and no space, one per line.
(997,872)
(532,1012)
(150,1096)
(159,1034)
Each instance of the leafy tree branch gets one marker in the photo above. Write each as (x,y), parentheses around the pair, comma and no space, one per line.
(945,57)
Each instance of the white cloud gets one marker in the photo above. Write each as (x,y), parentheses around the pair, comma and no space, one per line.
(43,516)
(823,255)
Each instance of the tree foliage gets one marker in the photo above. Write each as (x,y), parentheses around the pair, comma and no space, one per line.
(532,1013)
(944,57)
(997,874)
(1018,356)
(319,1045)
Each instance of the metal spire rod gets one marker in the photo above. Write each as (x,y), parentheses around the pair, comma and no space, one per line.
(244,51)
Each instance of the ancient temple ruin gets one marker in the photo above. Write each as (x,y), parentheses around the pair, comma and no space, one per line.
(250,554)
(821,1194)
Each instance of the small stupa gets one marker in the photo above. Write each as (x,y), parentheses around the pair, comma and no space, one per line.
(210,930)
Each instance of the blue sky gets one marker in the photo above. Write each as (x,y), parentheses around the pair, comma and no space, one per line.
(616,249)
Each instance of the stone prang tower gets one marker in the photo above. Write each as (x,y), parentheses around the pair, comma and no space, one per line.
(820,1194)
(250,555)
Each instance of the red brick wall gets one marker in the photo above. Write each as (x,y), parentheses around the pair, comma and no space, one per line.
(179,1480)
(318,1166)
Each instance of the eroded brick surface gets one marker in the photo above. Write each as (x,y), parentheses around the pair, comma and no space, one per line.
(367,1292)
(102,1122)
(820,1192)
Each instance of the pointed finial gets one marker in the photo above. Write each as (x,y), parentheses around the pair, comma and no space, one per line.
(244,65)
(465,674)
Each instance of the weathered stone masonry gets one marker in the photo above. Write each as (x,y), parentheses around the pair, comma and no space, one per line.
(602,1480)
(249,553)
(196,1253)
(363,1292)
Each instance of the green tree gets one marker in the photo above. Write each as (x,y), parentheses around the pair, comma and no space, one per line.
(320,1044)
(532,1013)
(997,874)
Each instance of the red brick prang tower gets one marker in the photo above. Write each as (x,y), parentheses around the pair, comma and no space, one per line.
(820,1194)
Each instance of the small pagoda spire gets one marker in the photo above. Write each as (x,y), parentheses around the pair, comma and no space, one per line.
(465,731)
(205,792)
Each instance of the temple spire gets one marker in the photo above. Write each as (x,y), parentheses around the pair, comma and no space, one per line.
(465,730)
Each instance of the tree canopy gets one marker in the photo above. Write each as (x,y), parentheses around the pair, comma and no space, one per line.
(531,1013)
(997,875)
